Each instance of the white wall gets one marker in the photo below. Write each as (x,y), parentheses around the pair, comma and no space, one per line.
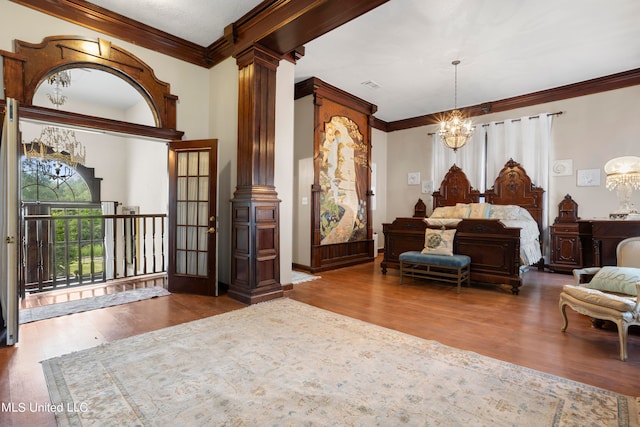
(303,176)
(223,100)
(379,158)
(408,151)
(285,85)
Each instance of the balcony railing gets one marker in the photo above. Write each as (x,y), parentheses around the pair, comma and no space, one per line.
(66,251)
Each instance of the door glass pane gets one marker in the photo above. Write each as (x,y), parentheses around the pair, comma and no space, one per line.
(182,188)
(181,262)
(203,238)
(192,263)
(192,213)
(193,163)
(181,237)
(203,188)
(202,263)
(182,164)
(193,188)
(181,213)
(203,214)
(192,238)
(204,163)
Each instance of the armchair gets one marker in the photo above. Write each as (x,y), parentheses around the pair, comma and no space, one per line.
(608,293)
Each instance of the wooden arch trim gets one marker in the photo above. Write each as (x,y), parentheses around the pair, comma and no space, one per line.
(31,63)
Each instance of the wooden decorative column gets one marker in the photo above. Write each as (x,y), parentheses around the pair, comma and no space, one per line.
(255,268)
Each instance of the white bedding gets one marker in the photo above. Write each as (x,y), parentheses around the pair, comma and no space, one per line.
(509,215)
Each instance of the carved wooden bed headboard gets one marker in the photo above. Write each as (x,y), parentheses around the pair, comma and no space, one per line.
(455,188)
(512,187)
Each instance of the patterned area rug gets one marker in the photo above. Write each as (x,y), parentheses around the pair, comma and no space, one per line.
(300,277)
(87,304)
(287,363)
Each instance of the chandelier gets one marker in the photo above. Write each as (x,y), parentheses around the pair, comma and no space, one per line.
(58,145)
(58,81)
(456,130)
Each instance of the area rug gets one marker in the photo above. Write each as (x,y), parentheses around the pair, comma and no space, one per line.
(285,363)
(87,304)
(300,277)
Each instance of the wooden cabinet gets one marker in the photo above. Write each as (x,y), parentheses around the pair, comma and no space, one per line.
(566,238)
(577,243)
(605,234)
(566,248)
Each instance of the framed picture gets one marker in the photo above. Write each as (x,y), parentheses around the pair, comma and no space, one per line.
(588,178)
(562,168)
(413,178)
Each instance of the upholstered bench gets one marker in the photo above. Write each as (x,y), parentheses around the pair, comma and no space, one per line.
(445,268)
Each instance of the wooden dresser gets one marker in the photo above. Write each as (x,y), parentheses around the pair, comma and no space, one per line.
(605,235)
(577,243)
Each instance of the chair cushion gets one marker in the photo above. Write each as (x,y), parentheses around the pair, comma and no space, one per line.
(594,296)
(438,241)
(620,280)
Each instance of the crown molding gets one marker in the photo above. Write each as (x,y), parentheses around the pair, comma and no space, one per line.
(284,26)
(587,87)
(96,18)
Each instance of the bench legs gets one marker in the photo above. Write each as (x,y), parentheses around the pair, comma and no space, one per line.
(441,273)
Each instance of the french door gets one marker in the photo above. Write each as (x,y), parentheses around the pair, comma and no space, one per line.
(193,171)
(9,222)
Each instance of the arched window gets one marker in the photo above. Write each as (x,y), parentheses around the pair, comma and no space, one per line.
(49,179)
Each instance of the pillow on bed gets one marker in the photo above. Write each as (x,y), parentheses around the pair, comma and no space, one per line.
(504,211)
(461,210)
(438,241)
(479,210)
(443,212)
(621,280)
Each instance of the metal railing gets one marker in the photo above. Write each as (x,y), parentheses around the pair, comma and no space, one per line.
(67,251)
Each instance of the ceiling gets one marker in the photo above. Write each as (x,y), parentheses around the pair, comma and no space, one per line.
(404,48)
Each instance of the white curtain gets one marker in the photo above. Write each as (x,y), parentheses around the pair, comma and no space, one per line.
(470,158)
(527,141)
(9,221)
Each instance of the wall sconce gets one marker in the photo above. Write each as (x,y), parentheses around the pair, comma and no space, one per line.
(623,175)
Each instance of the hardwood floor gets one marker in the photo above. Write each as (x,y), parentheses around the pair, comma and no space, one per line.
(523,329)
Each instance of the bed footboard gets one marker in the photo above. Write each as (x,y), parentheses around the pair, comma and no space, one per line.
(494,248)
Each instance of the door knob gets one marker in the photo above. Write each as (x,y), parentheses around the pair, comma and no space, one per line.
(211,230)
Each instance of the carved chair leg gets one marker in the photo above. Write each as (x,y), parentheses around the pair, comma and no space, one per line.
(565,321)
(623,330)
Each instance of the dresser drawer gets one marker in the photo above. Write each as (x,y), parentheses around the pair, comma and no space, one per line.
(564,228)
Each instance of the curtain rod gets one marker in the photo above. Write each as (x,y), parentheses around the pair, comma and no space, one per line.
(512,120)
(530,117)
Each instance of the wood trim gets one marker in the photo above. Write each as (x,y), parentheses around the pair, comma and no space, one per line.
(280,25)
(98,123)
(284,26)
(321,89)
(96,18)
(587,87)
(59,52)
